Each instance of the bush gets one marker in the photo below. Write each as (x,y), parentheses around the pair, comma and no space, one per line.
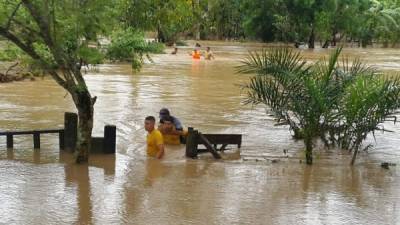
(156,47)
(129,46)
(91,55)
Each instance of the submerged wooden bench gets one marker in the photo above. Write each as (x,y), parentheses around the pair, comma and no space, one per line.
(36,136)
(68,136)
(210,141)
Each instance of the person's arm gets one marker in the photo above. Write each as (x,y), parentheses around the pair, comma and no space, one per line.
(160,145)
(177,123)
(160,153)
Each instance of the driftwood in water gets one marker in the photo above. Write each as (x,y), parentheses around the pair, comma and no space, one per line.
(14,73)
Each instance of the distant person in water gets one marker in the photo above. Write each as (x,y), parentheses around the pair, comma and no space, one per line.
(154,139)
(164,112)
(209,54)
(198,45)
(175,51)
(196,54)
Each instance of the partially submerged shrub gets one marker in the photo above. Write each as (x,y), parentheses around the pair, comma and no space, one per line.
(91,55)
(130,46)
(340,104)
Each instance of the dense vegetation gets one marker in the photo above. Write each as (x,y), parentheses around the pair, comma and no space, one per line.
(308,21)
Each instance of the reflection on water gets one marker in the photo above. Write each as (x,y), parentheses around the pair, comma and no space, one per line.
(45,186)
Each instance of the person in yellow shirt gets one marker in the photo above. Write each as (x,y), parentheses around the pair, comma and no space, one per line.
(170,134)
(209,54)
(155,141)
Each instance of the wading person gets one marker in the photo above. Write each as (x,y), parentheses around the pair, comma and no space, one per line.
(155,141)
(196,54)
(170,134)
(164,112)
(175,51)
(209,54)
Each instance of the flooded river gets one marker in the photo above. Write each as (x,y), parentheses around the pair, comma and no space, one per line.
(256,185)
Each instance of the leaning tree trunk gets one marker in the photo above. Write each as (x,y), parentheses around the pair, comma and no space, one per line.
(326,44)
(84,104)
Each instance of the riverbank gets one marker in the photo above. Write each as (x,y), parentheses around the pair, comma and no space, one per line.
(13,71)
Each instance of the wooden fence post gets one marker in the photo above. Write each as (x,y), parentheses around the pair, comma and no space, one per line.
(70,130)
(61,139)
(10,141)
(36,140)
(110,133)
(191,143)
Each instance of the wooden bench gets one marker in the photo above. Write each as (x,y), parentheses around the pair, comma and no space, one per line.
(210,141)
(36,136)
(68,136)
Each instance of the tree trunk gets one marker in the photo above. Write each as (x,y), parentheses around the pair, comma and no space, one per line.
(326,44)
(353,159)
(311,39)
(160,34)
(334,39)
(195,7)
(84,103)
(309,157)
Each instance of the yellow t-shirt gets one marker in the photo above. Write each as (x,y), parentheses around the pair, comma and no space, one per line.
(154,139)
(173,139)
(208,55)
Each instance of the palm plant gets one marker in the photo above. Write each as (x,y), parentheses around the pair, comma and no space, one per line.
(368,102)
(344,102)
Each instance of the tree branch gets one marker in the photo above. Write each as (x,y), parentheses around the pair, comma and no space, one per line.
(24,26)
(12,16)
(26,48)
(44,27)
(58,79)
(41,22)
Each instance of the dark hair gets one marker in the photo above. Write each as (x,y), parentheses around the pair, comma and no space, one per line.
(164,111)
(151,118)
(168,119)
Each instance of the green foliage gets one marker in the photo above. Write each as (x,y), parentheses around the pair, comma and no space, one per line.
(224,19)
(91,55)
(168,17)
(339,103)
(129,45)
(10,53)
(156,47)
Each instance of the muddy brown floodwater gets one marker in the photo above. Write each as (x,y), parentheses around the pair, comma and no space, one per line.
(45,187)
